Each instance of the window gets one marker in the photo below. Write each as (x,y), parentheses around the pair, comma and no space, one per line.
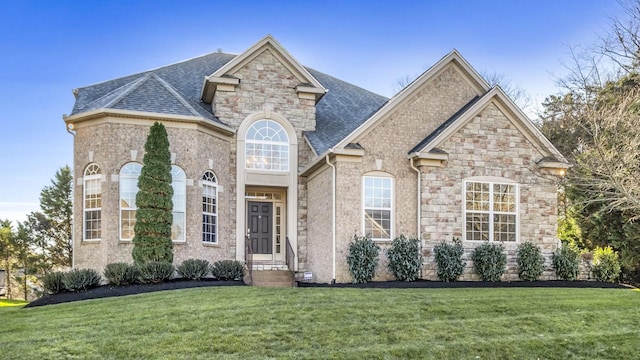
(128,189)
(267,146)
(377,198)
(209,208)
(179,184)
(92,202)
(491,212)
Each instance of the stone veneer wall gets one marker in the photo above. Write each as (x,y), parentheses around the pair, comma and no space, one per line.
(488,145)
(389,141)
(267,85)
(111,145)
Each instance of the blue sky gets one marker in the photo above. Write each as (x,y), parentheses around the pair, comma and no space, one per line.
(48,48)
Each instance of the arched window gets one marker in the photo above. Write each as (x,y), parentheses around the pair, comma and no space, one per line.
(267,146)
(209,208)
(92,202)
(129,174)
(179,184)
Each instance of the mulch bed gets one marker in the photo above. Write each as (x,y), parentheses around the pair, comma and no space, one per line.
(112,291)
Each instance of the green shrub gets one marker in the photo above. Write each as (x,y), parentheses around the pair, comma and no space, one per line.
(81,279)
(154,272)
(227,270)
(121,274)
(606,266)
(566,261)
(490,261)
(362,259)
(193,269)
(449,260)
(530,262)
(405,260)
(52,283)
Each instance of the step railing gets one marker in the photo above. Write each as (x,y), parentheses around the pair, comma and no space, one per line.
(290,256)
(248,258)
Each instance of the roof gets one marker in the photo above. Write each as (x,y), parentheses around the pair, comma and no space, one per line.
(176,90)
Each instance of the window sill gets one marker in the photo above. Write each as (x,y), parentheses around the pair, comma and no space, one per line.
(210,244)
(179,242)
(92,241)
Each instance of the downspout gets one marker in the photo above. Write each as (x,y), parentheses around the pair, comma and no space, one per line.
(333,217)
(419,201)
(70,128)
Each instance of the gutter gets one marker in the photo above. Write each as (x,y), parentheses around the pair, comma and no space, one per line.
(333,217)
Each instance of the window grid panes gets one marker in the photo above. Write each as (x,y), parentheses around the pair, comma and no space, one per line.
(209,208)
(491,211)
(179,184)
(128,189)
(377,198)
(92,202)
(267,146)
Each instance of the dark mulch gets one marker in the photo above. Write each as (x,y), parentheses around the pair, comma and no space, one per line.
(112,291)
(472,284)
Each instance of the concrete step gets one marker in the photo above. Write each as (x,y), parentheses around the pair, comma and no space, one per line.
(271,278)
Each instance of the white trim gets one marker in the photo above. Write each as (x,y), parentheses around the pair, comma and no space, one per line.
(212,184)
(131,206)
(86,178)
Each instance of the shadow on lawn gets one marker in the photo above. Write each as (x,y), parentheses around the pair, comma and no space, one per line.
(113,291)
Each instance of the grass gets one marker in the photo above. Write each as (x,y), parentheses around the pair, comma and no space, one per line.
(248,322)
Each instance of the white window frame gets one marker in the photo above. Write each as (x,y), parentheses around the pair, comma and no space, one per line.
(179,199)
(491,212)
(390,208)
(132,204)
(261,137)
(92,186)
(209,187)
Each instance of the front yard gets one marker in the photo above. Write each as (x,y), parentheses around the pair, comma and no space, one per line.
(248,322)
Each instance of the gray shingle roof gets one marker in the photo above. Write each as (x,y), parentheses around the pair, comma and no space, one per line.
(422,144)
(175,89)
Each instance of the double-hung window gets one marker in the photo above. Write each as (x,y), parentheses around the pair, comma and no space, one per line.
(377,195)
(491,211)
(128,190)
(179,184)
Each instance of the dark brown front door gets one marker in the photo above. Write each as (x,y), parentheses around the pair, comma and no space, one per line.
(261,227)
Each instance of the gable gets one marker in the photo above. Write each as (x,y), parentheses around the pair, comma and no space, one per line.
(307,84)
(502,107)
(459,83)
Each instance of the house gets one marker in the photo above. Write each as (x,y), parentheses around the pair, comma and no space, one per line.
(281,164)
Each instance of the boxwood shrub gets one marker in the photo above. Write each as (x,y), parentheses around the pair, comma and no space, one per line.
(227,270)
(605,265)
(193,269)
(566,262)
(81,279)
(362,259)
(490,261)
(154,272)
(449,260)
(530,261)
(53,283)
(405,260)
(119,274)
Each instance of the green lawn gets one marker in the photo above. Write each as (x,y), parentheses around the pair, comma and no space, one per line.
(247,322)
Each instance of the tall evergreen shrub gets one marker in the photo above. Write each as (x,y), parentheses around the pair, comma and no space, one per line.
(152,239)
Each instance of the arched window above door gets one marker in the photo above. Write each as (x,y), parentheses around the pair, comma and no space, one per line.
(267,146)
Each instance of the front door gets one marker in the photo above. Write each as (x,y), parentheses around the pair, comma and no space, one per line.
(261,227)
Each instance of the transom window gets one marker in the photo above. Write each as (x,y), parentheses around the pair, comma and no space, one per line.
(209,208)
(377,200)
(129,174)
(92,202)
(491,211)
(179,184)
(267,146)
